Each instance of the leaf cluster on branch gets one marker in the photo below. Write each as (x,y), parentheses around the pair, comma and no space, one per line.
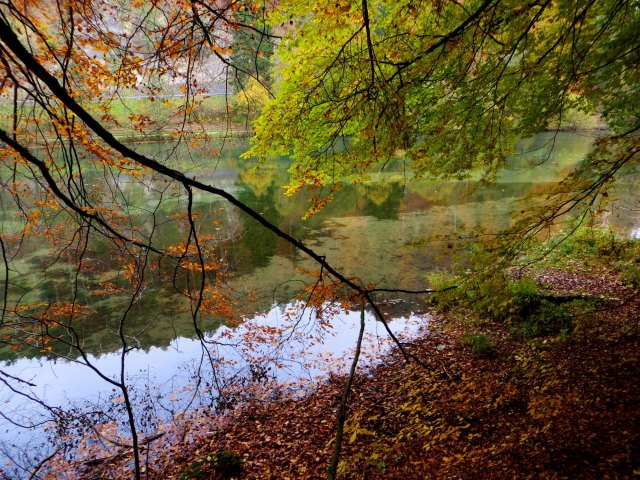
(449,87)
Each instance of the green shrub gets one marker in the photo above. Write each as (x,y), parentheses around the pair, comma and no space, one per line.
(446,284)
(225,463)
(592,245)
(489,290)
(587,242)
(485,286)
(229,464)
(481,345)
(629,271)
(595,246)
(544,320)
(198,469)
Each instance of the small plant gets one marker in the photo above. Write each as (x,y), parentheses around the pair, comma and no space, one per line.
(629,271)
(198,469)
(225,463)
(485,286)
(594,245)
(481,345)
(381,466)
(445,284)
(229,464)
(544,320)
(399,458)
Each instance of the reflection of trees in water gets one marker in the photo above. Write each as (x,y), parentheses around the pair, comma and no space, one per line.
(159,315)
(457,208)
(257,246)
(383,200)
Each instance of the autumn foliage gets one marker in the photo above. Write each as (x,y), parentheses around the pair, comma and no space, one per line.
(445,89)
(547,408)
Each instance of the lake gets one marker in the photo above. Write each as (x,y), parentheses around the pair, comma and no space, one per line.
(388,230)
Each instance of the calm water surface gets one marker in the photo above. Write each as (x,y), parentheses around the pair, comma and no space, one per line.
(389,230)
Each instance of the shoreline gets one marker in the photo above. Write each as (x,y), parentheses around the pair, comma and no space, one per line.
(546,408)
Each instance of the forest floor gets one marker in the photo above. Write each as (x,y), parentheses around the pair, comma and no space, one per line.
(558,406)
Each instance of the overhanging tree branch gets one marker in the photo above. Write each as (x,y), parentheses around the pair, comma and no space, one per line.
(11,41)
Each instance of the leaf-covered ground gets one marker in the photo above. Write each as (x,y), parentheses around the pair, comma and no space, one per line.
(565,406)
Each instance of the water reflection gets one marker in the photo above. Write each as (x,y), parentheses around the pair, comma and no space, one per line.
(389,230)
(224,369)
(257,245)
